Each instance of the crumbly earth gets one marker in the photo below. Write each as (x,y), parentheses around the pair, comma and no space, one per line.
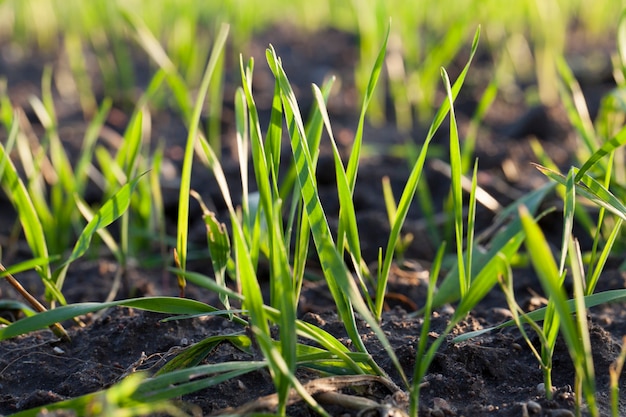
(492,375)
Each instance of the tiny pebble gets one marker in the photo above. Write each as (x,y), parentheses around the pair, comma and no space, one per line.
(533,407)
(502,312)
(541,388)
(58,350)
(447,309)
(184,341)
(441,404)
(561,412)
(437,413)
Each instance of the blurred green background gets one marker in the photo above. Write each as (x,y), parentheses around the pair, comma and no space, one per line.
(522,37)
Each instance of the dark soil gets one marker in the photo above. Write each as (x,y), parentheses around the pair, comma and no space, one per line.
(494,374)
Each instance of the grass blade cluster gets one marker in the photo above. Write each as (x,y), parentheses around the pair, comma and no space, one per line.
(575,332)
(273,226)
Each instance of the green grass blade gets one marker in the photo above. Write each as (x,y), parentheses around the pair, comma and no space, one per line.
(259,155)
(131,146)
(219,250)
(347,213)
(241,123)
(126,158)
(169,305)
(88,146)
(313,130)
(334,346)
(106,237)
(457,191)
(7,305)
(266,163)
(574,102)
(581,352)
(540,254)
(118,400)
(15,189)
(342,286)
(154,49)
(471,136)
(621,42)
(591,189)
(609,146)
(245,271)
(471,223)
(46,113)
(592,279)
(413,181)
(353,162)
(286,304)
(568,217)
(551,281)
(298,218)
(185,184)
(277,362)
(25,266)
(504,244)
(194,354)
(275,136)
(107,214)
(249,285)
(174,384)
(423,362)
(605,297)
(208,283)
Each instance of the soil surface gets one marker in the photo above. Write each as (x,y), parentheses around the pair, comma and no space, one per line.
(492,375)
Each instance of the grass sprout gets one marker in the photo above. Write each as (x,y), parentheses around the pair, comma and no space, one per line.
(559,313)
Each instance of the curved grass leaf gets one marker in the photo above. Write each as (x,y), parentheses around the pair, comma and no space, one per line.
(170,305)
(342,286)
(609,146)
(505,243)
(118,400)
(185,181)
(18,194)
(107,214)
(194,354)
(347,213)
(621,42)
(574,101)
(184,381)
(558,311)
(154,49)
(590,189)
(26,265)
(568,217)
(7,305)
(456,174)
(605,297)
(81,167)
(355,154)
(593,278)
(412,183)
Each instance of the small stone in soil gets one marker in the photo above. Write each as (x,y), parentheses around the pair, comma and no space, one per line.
(561,412)
(441,404)
(533,407)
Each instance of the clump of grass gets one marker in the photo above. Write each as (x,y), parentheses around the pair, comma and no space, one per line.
(600,140)
(259,233)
